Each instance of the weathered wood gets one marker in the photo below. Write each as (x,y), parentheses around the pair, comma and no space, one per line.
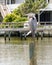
(5,36)
(9,35)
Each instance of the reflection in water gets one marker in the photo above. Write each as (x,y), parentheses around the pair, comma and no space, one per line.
(32,53)
(17,52)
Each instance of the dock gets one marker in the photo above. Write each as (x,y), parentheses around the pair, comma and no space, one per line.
(12,27)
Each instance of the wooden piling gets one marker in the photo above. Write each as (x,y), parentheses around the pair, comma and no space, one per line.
(9,35)
(20,35)
(5,36)
(24,35)
(37,35)
(41,35)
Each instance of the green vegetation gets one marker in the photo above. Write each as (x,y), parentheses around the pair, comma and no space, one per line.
(10,18)
(14,18)
(19,14)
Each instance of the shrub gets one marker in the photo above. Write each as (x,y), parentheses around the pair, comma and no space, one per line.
(10,18)
(17,12)
(14,18)
(20,19)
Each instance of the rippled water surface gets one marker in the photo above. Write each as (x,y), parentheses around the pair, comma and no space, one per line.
(13,52)
(16,52)
(43,49)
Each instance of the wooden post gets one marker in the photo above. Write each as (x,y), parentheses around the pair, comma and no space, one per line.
(5,36)
(21,35)
(24,35)
(41,35)
(37,35)
(9,35)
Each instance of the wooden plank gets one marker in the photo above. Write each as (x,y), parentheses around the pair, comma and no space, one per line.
(14,29)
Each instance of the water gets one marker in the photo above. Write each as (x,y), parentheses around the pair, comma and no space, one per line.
(44,51)
(16,52)
(13,52)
